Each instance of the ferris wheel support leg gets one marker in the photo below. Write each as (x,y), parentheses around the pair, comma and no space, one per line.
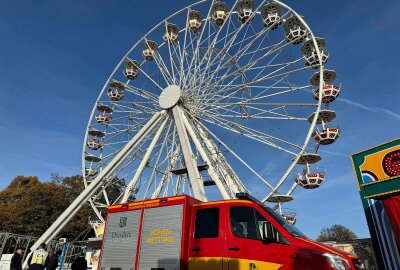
(96,184)
(143,163)
(166,176)
(96,210)
(230,176)
(190,161)
(178,185)
(211,170)
(106,197)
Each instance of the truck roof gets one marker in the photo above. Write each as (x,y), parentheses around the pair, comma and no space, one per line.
(165,201)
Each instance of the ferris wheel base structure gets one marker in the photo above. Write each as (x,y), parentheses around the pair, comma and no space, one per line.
(100,180)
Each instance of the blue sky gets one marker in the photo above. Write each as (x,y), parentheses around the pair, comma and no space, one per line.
(56,56)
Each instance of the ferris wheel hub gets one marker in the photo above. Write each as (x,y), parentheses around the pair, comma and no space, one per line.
(169,97)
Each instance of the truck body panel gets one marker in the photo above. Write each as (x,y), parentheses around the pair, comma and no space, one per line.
(182,233)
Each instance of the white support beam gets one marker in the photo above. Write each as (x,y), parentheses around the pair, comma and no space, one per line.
(178,185)
(190,160)
(142,165)
(167,175)
(230,176)
(95,185)
(211,170)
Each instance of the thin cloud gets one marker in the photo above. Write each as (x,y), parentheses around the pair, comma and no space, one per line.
(389,112)
(370,109)
(333,153)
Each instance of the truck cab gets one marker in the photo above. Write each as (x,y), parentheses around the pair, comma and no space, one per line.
(182,233)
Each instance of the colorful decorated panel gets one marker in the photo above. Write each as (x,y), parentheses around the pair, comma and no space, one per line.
(377,171)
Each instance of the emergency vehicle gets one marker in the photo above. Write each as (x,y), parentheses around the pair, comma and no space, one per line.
(182,233)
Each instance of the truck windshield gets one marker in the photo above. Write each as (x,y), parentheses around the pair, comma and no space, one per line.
(289,227)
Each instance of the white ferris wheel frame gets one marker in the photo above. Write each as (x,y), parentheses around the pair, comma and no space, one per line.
(194,177)
(105,176)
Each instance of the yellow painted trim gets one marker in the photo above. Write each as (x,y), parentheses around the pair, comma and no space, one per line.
(383,194)
(216,263)
(222,202)
(383,180)
(175,198)
(114,206)
(323,247)
(144,203)
(133,204)
(151,201)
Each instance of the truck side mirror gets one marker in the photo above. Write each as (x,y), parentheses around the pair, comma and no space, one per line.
(269,233)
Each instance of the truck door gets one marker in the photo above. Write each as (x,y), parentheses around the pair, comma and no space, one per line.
(244,247)
(120,241)
(206,242)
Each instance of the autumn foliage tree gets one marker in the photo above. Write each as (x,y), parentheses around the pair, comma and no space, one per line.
(29,206)
(336,233)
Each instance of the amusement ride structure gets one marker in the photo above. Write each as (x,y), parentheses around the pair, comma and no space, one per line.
(214,100)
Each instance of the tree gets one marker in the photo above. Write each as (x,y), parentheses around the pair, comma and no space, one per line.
(336,233)
(28,206)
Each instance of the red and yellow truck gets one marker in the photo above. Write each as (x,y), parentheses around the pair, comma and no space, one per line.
(182,233)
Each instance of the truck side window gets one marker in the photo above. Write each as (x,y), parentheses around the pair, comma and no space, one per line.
(207,223)
(246,222)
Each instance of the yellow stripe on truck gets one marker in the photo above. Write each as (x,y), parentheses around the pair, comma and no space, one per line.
(322,247)
(218,263)
(203,263)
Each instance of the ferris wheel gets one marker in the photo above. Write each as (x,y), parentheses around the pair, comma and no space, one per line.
(216,99)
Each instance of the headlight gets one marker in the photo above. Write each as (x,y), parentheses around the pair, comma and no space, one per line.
(337,262)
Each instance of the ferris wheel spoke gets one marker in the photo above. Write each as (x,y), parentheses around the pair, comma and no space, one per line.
(150,79)
(238,73)
(292,188)
(250,134)
(235,155)
(226,172)
(241,102)
(116,143)
(217,98)
(273,75)
(256,133)
(144,161)
(172,157)
(263,68)
(190,54)
(267,77)
(244,103)
(211,45)
(282,117)
(157,161)
(139,91)
(196,52)
(198,43)
(211,170)
(118,132)
(182,52)
(172,64)
(240,53)
(168,78)
(262,114)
